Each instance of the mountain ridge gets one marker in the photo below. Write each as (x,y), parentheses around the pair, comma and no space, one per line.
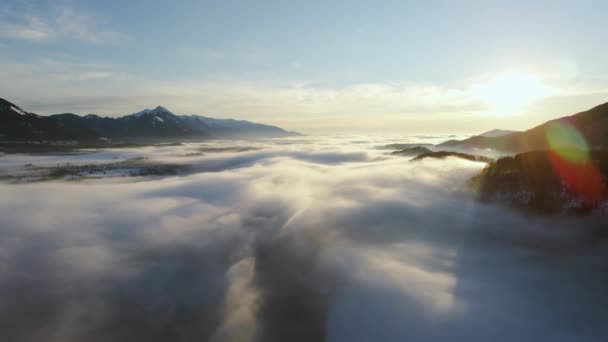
(159,123)
(591,124)
(496,133)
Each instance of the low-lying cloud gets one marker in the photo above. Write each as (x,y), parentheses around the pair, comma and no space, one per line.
(294,242)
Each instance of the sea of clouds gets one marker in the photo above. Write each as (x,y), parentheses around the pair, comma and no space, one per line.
(309,239)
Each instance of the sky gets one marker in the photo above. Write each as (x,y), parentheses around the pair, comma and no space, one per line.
(400,67)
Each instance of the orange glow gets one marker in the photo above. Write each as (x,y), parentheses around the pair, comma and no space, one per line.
(570,158)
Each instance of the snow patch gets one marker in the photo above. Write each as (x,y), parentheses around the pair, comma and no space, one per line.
(18,111)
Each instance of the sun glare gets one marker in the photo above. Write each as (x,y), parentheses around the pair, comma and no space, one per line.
(509,93)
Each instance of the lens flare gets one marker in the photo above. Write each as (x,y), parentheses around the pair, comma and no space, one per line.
(571,158)
(565,140)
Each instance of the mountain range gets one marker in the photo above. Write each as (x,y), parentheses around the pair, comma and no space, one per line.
(17,124)
(591,125)
(560,167)
(496,133)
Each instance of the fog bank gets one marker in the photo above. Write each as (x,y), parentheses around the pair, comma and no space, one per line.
(300,240)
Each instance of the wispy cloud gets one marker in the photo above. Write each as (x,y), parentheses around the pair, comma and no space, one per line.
(61,23)
(27,27)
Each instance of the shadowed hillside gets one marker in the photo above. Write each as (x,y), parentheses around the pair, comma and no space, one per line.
(592,124)
(548,182)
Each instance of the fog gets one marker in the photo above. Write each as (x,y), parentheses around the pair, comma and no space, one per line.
(310,239)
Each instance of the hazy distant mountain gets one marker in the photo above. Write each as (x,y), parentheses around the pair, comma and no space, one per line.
(412,151)
(496,133)
(592,125)
(234,128)
(445,154)
(150,124)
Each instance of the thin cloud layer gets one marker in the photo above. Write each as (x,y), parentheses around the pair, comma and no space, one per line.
(57,23)
(58,85)
(301,242)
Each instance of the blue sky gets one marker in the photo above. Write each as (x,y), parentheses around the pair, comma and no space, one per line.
(347,66)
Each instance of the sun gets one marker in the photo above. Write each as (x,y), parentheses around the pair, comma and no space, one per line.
(509,93)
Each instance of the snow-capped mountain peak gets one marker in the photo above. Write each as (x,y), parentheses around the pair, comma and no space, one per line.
(161,109)
(157,110)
